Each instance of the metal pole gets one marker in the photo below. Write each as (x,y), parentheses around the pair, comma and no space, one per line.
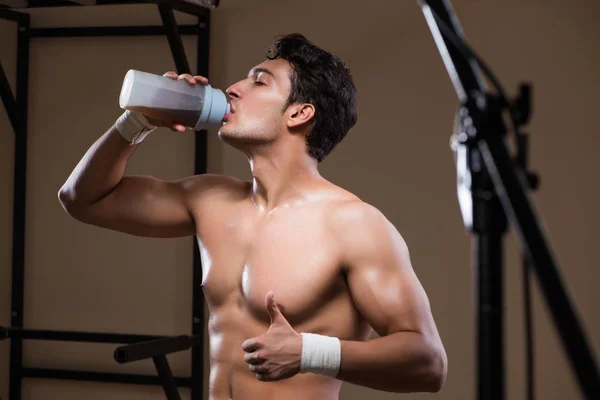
(19,196)
(513,194)
(174,38)
(166,377)
(490,338)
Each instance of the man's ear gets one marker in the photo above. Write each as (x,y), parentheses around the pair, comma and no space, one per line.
(300,114)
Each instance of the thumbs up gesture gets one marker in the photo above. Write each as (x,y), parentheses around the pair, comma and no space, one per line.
(276,354)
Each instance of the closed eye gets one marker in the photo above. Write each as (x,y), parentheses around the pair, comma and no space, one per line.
(259,83)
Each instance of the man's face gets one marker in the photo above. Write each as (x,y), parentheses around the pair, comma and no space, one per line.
(257,103)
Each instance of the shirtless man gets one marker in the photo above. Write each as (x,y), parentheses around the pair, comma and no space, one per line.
(286,255)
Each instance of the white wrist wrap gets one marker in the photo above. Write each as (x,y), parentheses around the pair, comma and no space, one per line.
(134,127)
(320,354)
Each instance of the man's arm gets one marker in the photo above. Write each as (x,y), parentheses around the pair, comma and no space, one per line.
(409,355)
(97,193)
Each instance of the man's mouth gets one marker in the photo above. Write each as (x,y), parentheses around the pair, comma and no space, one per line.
(231,111)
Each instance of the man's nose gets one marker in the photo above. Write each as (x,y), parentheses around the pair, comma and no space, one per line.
(233,91)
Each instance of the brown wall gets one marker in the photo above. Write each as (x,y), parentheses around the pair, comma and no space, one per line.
(396,158)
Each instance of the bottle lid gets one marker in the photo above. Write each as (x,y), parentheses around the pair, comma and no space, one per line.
(214,110)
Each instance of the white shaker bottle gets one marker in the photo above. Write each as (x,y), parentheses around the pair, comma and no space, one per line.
(196,106)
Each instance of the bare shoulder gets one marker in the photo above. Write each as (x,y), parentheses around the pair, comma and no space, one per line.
(351,213)
(362,230)
(345,209)
(213,186)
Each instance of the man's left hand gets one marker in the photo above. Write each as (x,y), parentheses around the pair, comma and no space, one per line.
(276,354)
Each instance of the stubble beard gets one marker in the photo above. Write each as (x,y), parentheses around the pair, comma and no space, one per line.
(259,134)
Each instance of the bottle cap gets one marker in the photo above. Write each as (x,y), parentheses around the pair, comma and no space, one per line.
(214,110)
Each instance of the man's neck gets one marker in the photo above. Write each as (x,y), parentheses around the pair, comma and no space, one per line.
(281,179)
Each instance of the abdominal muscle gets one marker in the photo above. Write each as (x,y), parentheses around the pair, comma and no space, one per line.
(229,382)
(230,377)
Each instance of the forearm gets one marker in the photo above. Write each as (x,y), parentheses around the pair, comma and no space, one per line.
(98,172)
(399,362)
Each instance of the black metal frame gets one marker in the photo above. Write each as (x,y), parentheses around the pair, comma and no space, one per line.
(498,188)
(16,107)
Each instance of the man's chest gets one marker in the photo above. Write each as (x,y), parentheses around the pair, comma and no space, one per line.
(291,254)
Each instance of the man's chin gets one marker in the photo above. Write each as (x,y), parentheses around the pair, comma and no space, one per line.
(228,135)
(232,134)
(225,133)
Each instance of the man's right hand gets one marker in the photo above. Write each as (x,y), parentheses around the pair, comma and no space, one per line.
(192,80)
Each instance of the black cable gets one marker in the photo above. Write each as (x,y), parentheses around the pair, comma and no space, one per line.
(461,45)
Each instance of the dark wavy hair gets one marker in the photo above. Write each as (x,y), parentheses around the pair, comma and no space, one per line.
(323,80)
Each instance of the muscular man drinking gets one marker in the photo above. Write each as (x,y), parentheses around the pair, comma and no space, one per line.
(297,272)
